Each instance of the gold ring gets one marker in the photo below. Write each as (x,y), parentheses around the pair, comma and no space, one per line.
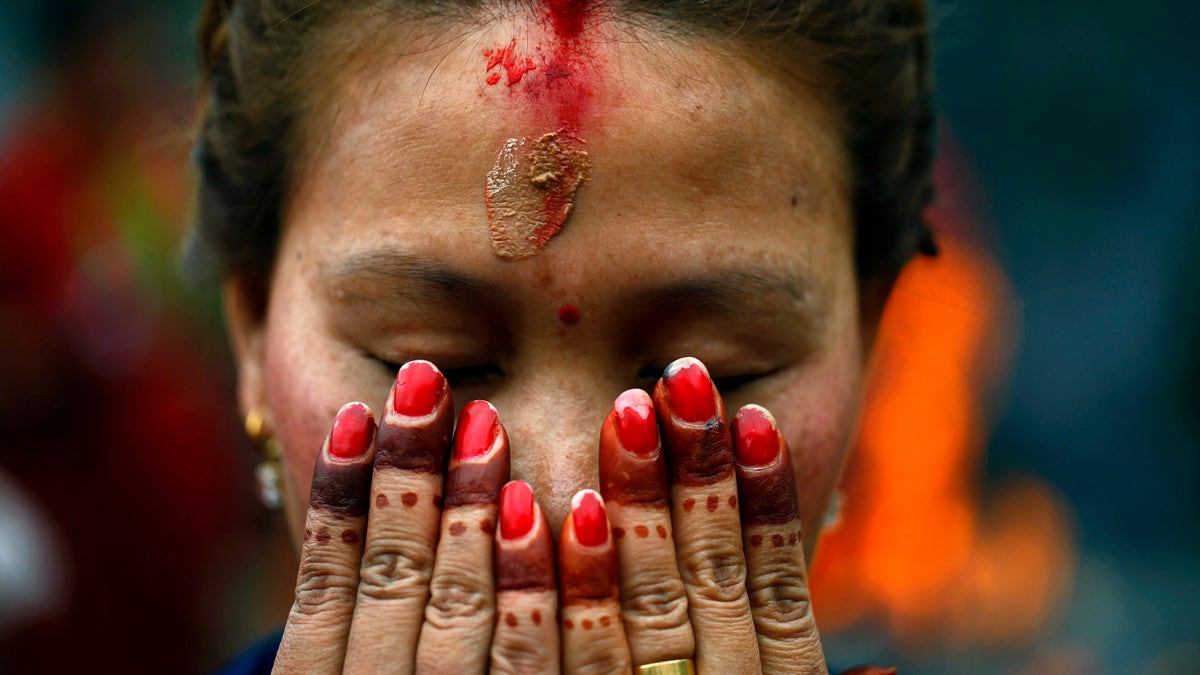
(673,667)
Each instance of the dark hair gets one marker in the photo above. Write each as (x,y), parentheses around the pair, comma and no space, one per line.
(258,57)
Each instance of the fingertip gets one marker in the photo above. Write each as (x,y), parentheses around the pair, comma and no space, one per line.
(518,511)
(415,430)
(418,389)
(757,442)
(353,433)
(588,520)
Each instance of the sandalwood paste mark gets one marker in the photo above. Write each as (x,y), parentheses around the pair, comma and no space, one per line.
(530,192)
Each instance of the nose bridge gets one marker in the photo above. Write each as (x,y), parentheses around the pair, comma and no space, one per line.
(552,412)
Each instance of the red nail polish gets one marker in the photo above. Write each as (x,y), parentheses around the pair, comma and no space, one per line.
(419,385)
(516,510)
(636,425)
(590,519)
(477,428)
(352,431)
(690,391)
(757,441)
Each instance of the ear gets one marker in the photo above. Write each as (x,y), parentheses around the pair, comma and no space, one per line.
(872,298)
(245,319)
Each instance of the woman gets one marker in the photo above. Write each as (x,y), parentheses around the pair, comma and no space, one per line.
(539,207)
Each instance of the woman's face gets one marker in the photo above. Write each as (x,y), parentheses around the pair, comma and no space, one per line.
(715,223)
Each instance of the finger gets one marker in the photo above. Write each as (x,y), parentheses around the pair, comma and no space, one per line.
(593,635)
(459,618)
(633,481)
(314,639)
(526,636)
(402,526)
(705,516)
(776,580)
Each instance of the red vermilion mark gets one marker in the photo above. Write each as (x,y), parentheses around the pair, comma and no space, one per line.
(567,16)
(530,192)
(506,58)
(568,314)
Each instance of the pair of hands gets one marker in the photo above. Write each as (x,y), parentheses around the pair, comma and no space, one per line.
(419,555)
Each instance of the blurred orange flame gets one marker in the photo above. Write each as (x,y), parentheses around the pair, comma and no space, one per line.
(914,549)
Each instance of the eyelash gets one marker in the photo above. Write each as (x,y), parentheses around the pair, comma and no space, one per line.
(460,376)
(725,385)
(481,373)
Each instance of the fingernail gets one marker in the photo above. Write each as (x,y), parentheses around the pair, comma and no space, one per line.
(636,425)
(756,439)
(477,428)
(352,431)
(590,518)
(419,385)
(690,391)
(516,510)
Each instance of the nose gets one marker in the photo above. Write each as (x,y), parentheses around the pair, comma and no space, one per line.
(553,413)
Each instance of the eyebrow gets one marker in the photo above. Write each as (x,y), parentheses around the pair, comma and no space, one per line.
(410,277)
(734,291)
(377,276)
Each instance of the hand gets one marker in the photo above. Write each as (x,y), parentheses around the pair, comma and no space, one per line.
(371,596)
(709,543)
(700,573)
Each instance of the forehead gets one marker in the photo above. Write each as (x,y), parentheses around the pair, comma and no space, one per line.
(692,151)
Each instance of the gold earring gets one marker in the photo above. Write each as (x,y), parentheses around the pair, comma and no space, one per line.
(268,474)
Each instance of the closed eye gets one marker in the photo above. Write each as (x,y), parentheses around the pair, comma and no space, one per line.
(460,376)
(649,375)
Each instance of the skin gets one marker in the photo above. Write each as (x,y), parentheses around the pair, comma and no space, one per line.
(716,223)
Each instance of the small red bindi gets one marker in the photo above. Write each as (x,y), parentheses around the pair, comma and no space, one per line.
(568,314)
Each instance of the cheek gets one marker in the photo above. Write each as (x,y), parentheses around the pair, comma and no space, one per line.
(304,393)
(818,441)
(817,418)
(300,417)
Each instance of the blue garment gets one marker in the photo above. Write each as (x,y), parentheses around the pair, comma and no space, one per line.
(256,660)
(260,657)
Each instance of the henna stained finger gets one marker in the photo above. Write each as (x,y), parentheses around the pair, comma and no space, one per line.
(402,527)
(593,633)
(526,638)
(704,513)
(459,617)
(633,482)
(777,579)
(314,639)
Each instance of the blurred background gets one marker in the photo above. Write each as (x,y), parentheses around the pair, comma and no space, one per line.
(1026,493)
